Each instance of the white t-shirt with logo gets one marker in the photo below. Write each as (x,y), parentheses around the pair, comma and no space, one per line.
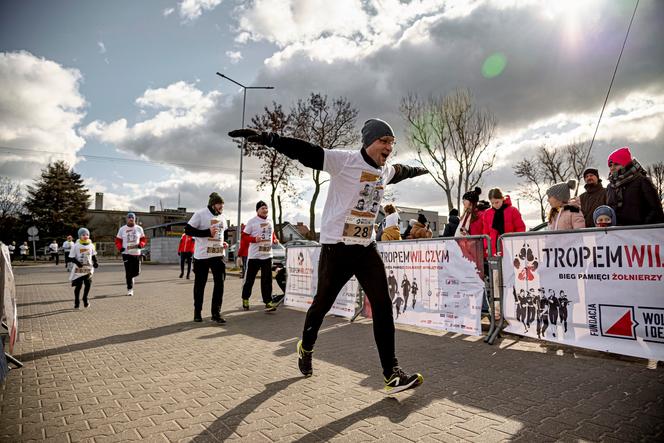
(260,227)
(131,236)
(205,247)
(355,187)
(66,245)
(82,253)
(53,247)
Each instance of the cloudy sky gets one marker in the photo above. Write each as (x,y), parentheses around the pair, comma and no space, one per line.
(126,91)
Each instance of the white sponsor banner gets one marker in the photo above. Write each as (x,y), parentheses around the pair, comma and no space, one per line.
(302,282)
(8,295)
(601,290)
(436,284)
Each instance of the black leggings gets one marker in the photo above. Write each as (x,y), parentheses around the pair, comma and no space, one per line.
(265,266)
(132,265)
(201,270)
(81,281)
(185,257)
(338,263)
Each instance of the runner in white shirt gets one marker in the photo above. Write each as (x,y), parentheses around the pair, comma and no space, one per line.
(208,225)
(260,236)
(66,247)
(129,241)
(83,256)
(24,249)
(357,180)
(12,249)
(53,250)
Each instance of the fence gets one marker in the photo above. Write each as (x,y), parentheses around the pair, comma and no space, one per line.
(600,289)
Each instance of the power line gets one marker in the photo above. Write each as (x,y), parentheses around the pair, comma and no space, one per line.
(126,160)
(606,99)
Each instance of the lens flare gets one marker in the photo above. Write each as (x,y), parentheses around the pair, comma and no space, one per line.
(494,65)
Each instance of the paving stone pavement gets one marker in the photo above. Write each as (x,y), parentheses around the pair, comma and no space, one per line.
(138,368)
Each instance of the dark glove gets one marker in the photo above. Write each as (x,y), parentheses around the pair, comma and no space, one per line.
(95,265)
(122,250)
(251,135)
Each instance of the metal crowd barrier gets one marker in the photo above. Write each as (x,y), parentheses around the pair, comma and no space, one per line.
(501,287)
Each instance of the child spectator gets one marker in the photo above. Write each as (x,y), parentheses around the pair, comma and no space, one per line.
(604,216)
(564,214)
(391,224)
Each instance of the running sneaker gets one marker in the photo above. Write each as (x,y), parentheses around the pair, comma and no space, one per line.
(197,317)
(130,292)
(400,381)
(86,304)
(304,360)
(277,300)
(218,319)
(270,306)
(245,304)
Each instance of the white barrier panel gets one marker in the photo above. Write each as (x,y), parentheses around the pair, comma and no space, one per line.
(302,281)
(8,295)
(601,290)
(436,284)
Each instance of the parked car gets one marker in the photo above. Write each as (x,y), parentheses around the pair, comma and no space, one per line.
(278,256)
(301,243)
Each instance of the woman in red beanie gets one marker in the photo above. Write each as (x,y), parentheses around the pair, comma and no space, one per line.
(630,192)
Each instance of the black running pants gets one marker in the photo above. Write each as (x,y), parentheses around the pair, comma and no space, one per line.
(338,263)
(202,268)
(253,266)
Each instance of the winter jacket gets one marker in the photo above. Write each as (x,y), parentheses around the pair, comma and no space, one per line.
(420,231)
(451,226)
(476,227)
(570,217)
(243,251)
(513,222)
(594,197)
(391,233)
(639,204)
(186,244)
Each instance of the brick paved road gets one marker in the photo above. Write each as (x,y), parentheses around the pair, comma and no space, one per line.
(139,368)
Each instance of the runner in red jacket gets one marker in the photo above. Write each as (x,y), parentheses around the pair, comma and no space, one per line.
(186,251)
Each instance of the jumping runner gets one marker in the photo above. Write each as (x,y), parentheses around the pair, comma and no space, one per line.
(348,235)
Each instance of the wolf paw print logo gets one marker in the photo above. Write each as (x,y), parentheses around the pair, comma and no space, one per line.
(525,263)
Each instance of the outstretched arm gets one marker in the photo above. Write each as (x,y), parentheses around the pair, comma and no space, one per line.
(310,155)
(402,172)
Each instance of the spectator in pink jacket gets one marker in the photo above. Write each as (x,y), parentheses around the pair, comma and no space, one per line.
(564,214)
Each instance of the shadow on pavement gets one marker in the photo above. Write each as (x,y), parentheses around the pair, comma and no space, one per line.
(116,339)
(225,426)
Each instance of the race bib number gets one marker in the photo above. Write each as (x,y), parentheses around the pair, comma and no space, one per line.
(215,247)
(264,247)
(132,246)
(357,230)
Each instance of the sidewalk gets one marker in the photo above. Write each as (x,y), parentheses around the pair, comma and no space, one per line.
(138,368)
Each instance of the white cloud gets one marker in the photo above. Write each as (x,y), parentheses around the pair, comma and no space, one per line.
(192,9)
(168,11)
(40,109)
(235,56)
(102,47)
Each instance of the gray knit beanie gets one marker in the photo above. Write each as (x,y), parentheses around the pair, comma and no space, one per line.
(561,190)
(374,129)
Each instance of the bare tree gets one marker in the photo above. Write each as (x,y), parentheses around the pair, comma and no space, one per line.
(277,170)
(534,187)
(11,198)
(551,165)
(656,173)
(451,136)
(326,123)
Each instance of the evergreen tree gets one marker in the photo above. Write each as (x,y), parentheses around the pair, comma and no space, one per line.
(58,201)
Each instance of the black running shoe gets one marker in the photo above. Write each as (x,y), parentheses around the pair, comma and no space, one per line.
(304,360)
(400,381)
(197,317)
(218,319)
(278,299)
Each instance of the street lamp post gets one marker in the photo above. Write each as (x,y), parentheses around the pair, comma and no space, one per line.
(242,146)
